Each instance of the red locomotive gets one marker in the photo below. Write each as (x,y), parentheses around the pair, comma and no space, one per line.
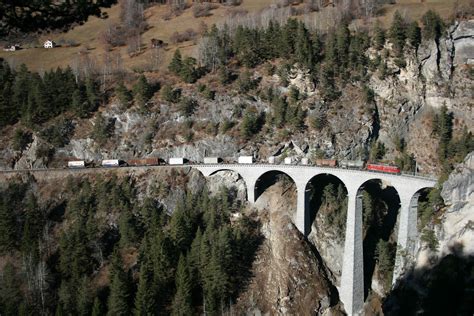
(383,168)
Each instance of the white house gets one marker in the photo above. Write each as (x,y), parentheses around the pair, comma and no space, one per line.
(49,44)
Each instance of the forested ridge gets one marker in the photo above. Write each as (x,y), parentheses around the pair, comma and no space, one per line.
(100,250)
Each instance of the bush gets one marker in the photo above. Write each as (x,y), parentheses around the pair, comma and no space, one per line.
(185,36)
(429,238)
(59,133)
(21,139)
(103,129)
(171,95)
(250,124)
(208,93)
(187,106)
(319,121)
(245,83)
(225,125)
(225,76)
(113,36)
(203,9)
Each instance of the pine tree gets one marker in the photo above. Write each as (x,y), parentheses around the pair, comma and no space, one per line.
(304,47)
(327,81)
(127,228)
(92,93)
(20,89)
(180,230)
(7,227)
(398,33)
(162,255)
(343,39)
(379,36)
(33,226)
(142,91)
(194,258)
(249,125)
(118,303)
(102,129)
(317,47)
(188,70)
(176,63)
(97,308)
(84,297)
(123,94)
(433,25)
(414,34)
(377,151)
(78,99)
(10,294)
(145,299)
(66,298)
(182,302)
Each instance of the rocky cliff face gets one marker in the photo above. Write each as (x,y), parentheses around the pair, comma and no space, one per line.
(289,276)
(440,282)
(455,228)
(437,73)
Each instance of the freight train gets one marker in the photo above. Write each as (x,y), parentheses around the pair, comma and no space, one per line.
(332,163)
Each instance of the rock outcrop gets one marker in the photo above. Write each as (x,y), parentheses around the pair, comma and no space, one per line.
(455,228)
(289,277)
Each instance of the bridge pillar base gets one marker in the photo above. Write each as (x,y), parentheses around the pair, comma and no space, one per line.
(352,279)
(302,220)
(407,236)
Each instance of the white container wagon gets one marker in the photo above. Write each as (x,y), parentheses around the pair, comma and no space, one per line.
(304,161)
(211,160)
(176,161)
(271,160)
(288,161)
(111,163)
(76,164)
(246,159)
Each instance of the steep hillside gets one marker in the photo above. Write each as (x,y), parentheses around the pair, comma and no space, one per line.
(84,40)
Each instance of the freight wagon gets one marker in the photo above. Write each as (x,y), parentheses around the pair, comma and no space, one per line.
(288,161)
(325,162)
(351,164)
(383,168)
(152,161)
(305,161)
(246,159)
(211,160)
(112,163)
(176,161)
(76,164)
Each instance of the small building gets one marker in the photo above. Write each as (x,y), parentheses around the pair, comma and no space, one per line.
(49,44)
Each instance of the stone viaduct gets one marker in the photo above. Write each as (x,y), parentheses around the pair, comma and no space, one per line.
(351,289)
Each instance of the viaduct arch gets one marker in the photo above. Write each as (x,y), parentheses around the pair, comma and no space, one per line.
(351,290)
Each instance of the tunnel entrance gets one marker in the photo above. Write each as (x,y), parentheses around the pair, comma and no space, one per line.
(380,208)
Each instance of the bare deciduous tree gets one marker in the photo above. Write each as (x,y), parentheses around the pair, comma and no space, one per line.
(208,53)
